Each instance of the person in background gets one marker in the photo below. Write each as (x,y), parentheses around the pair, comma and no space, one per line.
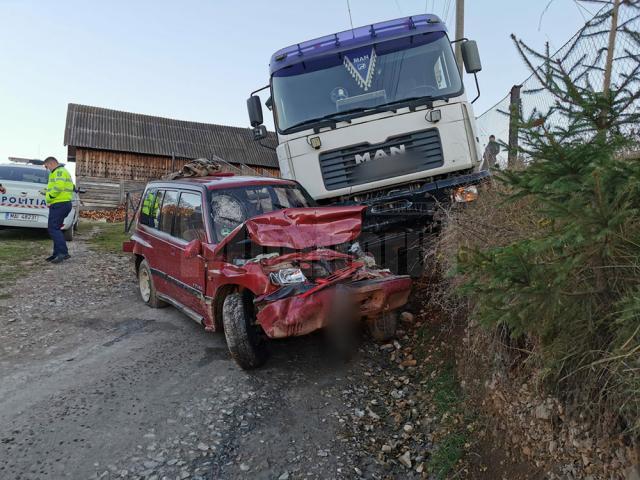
(491,152)
(58,196)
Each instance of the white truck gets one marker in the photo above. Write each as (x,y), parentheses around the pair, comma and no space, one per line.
(378,116)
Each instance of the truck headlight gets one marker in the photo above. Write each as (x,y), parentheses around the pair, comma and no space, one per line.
(465,194)
(287,276)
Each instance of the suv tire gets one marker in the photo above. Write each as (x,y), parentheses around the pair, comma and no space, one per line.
(147,288)
(244,340)
(68,234)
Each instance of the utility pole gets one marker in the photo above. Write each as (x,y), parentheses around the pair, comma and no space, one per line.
(608,66)
(459,31)
(514,123)
(612,45)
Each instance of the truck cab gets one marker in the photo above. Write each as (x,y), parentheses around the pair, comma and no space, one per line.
(377,115)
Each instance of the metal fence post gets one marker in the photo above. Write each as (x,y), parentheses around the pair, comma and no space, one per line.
(514,123)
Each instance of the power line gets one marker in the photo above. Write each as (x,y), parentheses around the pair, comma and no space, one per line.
(350,19)
(446,10)
(580,11)
(398,5)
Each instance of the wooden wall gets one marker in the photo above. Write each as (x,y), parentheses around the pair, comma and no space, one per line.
(137,167)
(123,166)
(105,193)
(108,176)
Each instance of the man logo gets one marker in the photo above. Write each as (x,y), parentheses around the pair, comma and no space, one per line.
(380,153)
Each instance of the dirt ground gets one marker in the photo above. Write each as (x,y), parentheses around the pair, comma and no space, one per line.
(94,384)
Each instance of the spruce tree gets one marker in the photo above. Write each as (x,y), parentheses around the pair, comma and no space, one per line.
(573,288)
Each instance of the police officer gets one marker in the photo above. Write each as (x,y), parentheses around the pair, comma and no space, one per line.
(58,196)
(150,209)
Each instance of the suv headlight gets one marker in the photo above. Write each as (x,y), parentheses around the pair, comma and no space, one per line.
(287,276)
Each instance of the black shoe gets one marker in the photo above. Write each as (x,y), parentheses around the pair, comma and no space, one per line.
(67,256)
(48,259)
(58,259)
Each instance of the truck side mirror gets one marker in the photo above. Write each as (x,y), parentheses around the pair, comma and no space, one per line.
(254,107)
(471,56)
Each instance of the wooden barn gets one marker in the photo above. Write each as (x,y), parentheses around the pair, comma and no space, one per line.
(116,152)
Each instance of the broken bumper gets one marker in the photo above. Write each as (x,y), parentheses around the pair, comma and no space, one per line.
(302,314)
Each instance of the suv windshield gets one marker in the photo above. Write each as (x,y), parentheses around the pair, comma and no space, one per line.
(24,174)
(422,66)
(231,207)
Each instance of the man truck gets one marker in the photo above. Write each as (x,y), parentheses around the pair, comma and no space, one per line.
(377,116)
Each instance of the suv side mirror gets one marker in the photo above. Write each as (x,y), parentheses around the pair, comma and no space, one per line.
(471,56)
(193,249)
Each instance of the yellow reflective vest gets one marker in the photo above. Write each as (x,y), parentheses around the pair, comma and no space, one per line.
(60,186)
(150,204)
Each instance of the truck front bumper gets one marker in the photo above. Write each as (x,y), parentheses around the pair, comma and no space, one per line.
(415,206)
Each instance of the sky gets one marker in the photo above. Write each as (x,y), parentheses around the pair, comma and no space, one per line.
(198,60)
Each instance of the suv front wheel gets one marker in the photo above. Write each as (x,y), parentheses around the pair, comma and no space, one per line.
(244,339)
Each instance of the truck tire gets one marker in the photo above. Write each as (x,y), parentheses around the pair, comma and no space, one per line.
(245,344)
(147,288)
(383,327)
(68,234)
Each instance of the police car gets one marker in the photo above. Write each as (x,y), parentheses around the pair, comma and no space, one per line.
(22,201)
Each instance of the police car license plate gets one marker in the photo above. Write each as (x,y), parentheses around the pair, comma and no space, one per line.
(25,217)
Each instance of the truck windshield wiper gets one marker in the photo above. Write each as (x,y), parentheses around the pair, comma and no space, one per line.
(317,122)
(331,119)
(411,102)
(328,120)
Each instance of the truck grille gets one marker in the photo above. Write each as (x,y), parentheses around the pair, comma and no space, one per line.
(397,156)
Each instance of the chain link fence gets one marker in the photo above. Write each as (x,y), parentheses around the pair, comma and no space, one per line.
(586,52)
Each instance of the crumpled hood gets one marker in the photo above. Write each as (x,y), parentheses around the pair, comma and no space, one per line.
(300,228)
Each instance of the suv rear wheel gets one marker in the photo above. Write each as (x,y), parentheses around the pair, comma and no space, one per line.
(68,234)
(244,340)
(147,288)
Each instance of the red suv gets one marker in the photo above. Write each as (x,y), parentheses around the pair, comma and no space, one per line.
(254,257)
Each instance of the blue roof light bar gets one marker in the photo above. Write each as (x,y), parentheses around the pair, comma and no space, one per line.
(358,37)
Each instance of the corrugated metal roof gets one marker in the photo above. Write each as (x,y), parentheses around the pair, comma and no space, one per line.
(105,129)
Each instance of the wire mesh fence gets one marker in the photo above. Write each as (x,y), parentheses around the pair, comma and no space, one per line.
(586,53)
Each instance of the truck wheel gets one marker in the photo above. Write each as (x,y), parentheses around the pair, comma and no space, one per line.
(68,234)
(147,288)
(383,327)
(245,344)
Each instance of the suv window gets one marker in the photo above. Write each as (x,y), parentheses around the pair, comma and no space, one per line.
(168,211)
(233,206)
(150,209)
(189,224)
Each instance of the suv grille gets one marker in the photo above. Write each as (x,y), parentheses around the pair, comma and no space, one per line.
(365,163)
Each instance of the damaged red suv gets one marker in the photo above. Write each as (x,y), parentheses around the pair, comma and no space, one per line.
(255,258)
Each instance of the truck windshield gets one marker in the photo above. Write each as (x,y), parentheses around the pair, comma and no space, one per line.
(351,82)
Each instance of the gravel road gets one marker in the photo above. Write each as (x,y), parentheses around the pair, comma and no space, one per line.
(94,384)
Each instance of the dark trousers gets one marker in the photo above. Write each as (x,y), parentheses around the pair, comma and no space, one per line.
(57,213)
